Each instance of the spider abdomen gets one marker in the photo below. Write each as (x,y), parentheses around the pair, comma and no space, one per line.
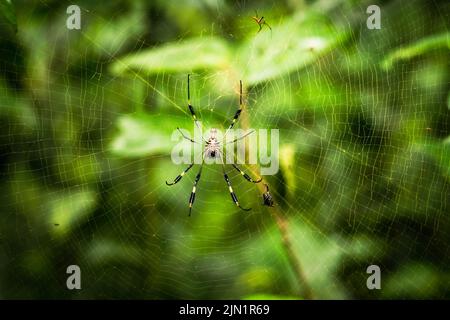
(212,147)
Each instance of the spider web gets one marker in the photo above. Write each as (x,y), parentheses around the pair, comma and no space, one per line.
(363,160)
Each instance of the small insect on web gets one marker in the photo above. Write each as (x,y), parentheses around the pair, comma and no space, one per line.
(260,21)
(212,150)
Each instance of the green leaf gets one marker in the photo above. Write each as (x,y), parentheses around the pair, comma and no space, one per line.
(102,38)
(17,109)
(142,134)
(7,13)
(193,54)
(291,46)
(418,48)
(70,208)
(287,165)
(105,250)
(413,280)
(321,267)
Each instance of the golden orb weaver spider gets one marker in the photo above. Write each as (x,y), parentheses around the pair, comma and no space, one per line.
(212,150)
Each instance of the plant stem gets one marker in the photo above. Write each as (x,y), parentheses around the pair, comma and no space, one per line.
(282,224)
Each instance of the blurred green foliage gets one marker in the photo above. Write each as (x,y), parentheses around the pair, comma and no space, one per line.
(85,141)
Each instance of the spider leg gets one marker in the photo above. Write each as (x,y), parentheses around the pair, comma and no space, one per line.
(187,138)
(246,176)
(178,178)
(191,108)
(230,188)
(233,195)
(240,138)
(238,112)
(194,188)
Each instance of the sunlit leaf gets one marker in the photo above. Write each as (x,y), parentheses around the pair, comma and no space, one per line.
(287,160)
(418,48)
(291,46)
(192,54)
(69,209)
(141,134)
(257,278)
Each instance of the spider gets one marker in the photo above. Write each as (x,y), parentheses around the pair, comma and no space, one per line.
(212,151)
(267,197)
(260,21)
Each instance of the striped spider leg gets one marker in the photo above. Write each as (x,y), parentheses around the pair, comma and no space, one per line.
(190,107)
(233,122)
(230,188)
(194,188)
